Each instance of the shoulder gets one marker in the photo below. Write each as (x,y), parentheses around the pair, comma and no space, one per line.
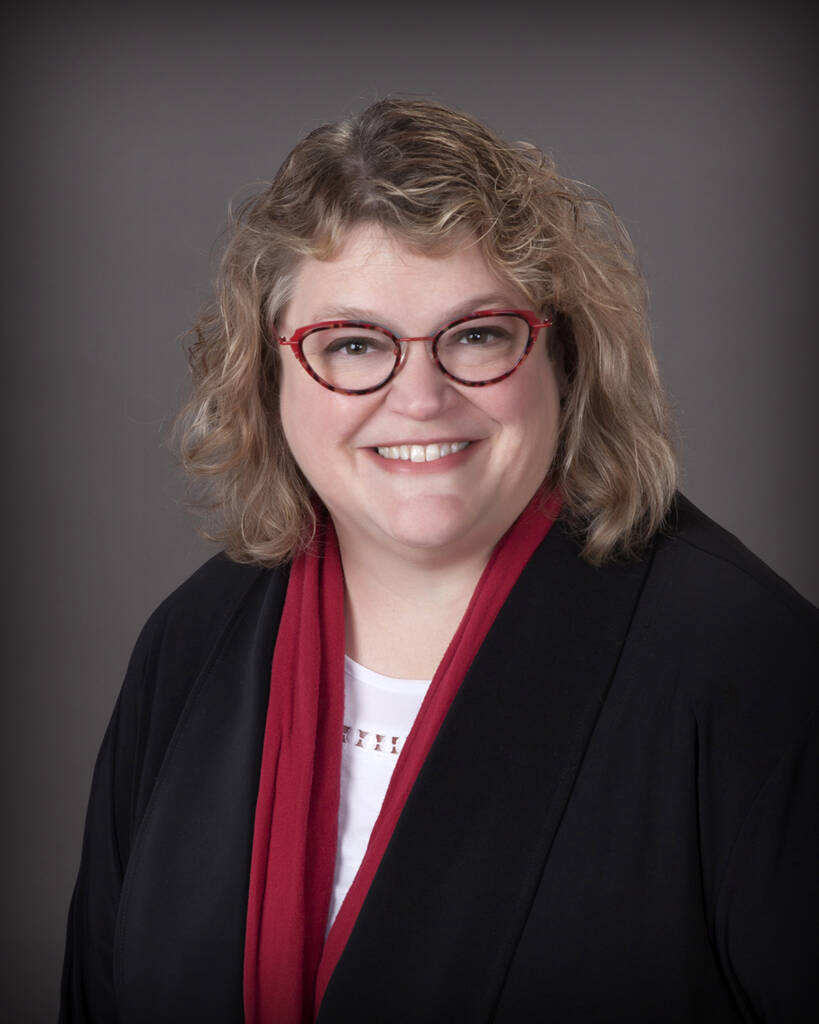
(201,607)
(217,581)
(182,637)
(192,624)
(739,645)
(715,575)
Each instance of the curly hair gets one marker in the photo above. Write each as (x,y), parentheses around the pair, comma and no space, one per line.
(432,176)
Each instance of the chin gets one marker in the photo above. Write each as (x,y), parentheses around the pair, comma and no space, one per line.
(425,525)
(417,540)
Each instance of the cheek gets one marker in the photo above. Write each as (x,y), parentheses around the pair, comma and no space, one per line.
(302,417)
(318,423)
(530,406)
(546,392)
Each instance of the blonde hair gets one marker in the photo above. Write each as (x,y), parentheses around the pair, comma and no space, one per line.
(432,176)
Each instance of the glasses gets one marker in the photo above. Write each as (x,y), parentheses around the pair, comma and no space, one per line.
(357,358)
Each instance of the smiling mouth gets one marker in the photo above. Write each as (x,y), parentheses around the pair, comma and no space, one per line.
(422,452)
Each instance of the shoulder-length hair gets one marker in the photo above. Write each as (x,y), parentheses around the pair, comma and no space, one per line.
(433,177)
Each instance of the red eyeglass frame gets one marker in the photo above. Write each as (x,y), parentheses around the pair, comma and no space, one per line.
(295,340)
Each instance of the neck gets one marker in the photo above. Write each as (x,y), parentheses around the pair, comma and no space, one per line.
(400,614)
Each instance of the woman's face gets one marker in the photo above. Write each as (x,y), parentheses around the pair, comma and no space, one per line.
(459,504)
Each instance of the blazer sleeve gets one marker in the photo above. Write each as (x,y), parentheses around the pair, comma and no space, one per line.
(768,908)
(87,981)
(169,655)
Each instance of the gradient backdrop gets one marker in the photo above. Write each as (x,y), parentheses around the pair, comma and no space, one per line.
(126,135)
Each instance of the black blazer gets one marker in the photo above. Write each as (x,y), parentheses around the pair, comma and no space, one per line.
(616,822)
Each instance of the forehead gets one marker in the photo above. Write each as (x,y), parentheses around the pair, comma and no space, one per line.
(375,272)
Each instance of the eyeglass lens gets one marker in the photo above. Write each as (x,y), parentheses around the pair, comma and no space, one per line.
(476,351)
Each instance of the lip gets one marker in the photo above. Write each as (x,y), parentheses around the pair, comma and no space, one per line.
(441,465)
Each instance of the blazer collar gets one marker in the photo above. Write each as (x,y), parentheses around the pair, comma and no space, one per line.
(443,916)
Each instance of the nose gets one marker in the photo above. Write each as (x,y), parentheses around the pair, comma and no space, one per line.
(419,390)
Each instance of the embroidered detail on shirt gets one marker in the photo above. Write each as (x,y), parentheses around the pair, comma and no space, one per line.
(369,740)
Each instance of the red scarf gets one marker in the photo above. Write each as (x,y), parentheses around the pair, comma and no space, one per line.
(287,963)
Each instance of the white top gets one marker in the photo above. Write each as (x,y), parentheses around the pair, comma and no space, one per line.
(378,715)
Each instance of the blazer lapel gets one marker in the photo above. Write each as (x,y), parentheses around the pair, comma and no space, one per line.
(441,921)
(181,923)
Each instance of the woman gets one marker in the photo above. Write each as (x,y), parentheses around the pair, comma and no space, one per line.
(476,720)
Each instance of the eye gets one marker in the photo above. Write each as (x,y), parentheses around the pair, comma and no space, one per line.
(478,336)
(350,347)
(342,344)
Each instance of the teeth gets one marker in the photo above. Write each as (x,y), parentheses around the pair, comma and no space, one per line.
(421,452)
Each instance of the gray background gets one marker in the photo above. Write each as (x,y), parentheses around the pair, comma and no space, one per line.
(127,134)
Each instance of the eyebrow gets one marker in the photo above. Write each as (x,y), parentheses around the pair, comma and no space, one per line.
(340,312)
